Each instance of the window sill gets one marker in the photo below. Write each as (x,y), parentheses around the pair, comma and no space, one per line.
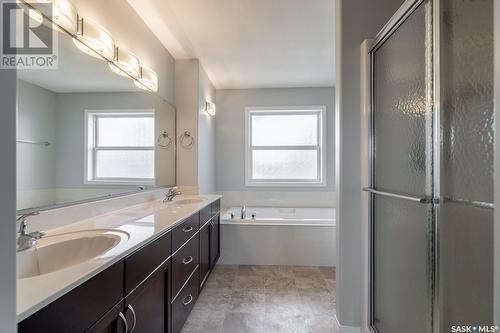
(120,182)
(283,184)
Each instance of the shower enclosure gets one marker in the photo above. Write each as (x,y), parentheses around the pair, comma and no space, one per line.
(431,168)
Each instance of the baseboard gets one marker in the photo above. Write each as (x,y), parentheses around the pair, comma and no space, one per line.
(345,329)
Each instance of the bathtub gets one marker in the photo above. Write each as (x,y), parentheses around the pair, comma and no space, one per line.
(279,236)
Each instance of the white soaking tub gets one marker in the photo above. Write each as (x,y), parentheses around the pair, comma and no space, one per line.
(279,236)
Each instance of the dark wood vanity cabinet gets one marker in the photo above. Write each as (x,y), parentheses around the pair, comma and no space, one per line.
(77,310)
(151,290)
(147,308)
(214,241)
(204,253)
(209,241)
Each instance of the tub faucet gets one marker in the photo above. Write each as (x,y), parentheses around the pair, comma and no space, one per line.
(243,212)
(27,240)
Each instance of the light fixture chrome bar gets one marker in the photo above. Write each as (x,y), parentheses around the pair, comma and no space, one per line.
(424,200)
(43,143)
(477,204)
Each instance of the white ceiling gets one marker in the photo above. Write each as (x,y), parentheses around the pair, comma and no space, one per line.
(249,43)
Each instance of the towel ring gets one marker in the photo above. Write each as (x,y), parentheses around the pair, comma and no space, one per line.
(186,140)
(163,140)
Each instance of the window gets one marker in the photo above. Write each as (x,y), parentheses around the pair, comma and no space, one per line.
(120,147)
(284,146)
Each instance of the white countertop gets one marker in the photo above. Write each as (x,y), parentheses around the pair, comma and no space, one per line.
(143,222)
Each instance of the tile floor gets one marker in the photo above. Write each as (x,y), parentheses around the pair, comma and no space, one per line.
(265,299)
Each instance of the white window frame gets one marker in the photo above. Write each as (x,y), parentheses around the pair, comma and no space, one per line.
(91,148)
(320,148)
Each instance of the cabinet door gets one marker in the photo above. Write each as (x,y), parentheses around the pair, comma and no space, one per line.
(147,308)
(214,241)
(112,322)
(204,253)
(81,307)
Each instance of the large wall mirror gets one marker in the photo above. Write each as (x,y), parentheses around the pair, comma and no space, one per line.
(84,132)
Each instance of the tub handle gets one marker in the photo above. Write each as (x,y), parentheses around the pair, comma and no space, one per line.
(187,229)
(187,260)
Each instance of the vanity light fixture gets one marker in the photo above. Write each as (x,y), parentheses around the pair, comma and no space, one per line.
(63,13)
(210,108)
(94,40)
(148,80)
(125,62)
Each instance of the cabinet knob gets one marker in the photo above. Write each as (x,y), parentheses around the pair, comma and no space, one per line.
(187,229)
(187,260)
(188,299)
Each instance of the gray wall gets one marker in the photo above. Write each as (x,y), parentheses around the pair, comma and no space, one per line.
(357,20)
(36,121)
(8,200)
(230,131)
(186,97)
(497,164)
(206,135)
(196,164)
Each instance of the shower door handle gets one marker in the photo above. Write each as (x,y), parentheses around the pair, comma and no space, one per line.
(422,200)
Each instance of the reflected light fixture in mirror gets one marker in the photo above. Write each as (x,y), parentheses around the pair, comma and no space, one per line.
(127,62)
(63,13)
(210,108)
(94,40)
(148,80)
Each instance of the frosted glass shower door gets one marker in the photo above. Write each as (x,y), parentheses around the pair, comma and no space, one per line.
(401,184)
(466,212)
(431,163)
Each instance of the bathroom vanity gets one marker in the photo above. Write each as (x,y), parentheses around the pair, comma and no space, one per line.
(150,287)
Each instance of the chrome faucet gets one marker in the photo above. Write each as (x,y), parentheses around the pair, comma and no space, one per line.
(27,240)
(171,194)
(243,212)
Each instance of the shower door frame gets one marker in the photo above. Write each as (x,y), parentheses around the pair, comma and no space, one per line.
(433,291)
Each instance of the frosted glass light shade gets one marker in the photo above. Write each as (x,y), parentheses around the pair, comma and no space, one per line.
(148,80)
(95,37)
(127,62)
(63,13)
(210,108)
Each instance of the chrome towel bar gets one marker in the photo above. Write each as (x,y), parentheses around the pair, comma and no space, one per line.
(42,143)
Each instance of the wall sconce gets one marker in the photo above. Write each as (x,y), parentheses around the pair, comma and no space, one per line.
(94,40)
(63,13)
(210,108)
(148,80)
(127,62)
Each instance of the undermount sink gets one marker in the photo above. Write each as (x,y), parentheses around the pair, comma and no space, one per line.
(56,252)
(187,201)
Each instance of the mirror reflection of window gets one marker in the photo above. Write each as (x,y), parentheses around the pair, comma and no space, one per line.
(120,147)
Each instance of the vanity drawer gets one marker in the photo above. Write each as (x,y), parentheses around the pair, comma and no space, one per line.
(80,308)
(184,231)
(215,207)
(184,263)
(205,215)
(184,303)
(141,263)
